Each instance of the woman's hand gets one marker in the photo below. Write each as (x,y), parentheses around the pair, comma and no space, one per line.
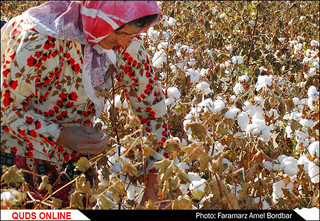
(85,140)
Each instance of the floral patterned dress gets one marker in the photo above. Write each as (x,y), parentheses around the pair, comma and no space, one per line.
(42,92)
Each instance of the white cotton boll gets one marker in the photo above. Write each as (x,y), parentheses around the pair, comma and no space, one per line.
(263,69)
(244,78)
(295,100)
(277,190)
(232,112)
(165,23)
(159,58)
(289,165)
(289,132)
(281,39)
(243,120)
(267,164)
(292,43)
(314,149)
(259,122)
(131,192)
(163,45)
(312,91)
(183,166)
(314,43)
(204,87)
(194,176)
(263,82)
(219,105)
(312,72)
(169,101)
(229,48)
(273,113)
(171,21)
(222,15)
(237,60)
(238,88)
(232,98)
(265,133)
(184,188)
(313,172)
(204,72)
(303,160)
(117,101)
(173,92)
(297,47)
(281,158)
(194,75)
(198,185)
(153,34)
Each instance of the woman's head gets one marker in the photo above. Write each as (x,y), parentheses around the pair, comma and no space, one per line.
(122,35)
(112,20)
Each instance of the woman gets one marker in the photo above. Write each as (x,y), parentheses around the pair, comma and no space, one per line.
(53,57)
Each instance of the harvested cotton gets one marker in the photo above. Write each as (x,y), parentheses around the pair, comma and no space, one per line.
(314,149)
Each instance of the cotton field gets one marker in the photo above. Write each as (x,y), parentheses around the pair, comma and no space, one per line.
(241,81)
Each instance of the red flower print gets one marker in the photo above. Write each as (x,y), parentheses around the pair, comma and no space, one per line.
(5,84)
(70,104)
(59,117)
(73,96)
(29,120)
(37,54)
(51,112)
(66,157)
(50,38)
(163,139)
(164,133)
(153,170)
(64,113)
(60,103)
(12,56)
(31,61)
(164,126)
(30,154)
(13,150)
(39,64)
(76,68)
(126,55)
(85,114)
(63,96)
(6,72)
(22,132)
(146,66)
(44,57)
(130,59)
(38,125)
(54,53)
(139,99)
(148,129)
(6,129)
(134,63)
(165,154)
(152,113)
(148,109)
(7,101)
(46,45)
(71,61)
(33,133)
(14,84)
(73,154)
(68,56)
(126,69)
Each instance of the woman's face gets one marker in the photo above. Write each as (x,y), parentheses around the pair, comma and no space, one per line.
(120,37)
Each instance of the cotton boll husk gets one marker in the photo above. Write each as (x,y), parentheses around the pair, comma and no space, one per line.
(314,149)
(289,165)
(173,92)
(313,172)
(232,112)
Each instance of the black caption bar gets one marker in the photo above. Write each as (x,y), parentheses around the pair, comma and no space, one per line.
(197,215)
